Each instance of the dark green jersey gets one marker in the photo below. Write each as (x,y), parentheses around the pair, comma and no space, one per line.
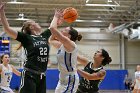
(36,50)
(89,86)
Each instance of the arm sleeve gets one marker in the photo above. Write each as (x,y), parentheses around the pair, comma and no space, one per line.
(23,38)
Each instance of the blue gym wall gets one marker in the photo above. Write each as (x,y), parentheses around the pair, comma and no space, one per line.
(113,80)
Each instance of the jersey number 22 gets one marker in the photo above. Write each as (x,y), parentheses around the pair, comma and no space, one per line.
(43,51)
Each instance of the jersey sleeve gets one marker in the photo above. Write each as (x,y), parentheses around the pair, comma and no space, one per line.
(88,64)
(136,75)
(46,33)
(23,38)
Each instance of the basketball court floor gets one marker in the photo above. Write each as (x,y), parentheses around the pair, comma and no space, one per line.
(102,91)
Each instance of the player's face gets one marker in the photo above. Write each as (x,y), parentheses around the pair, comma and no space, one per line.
(35,26)
(138,68)
(6,59)
(98,56)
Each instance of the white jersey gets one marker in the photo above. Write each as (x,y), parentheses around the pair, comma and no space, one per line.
(137,75)
(67,61)
(6,76)
(68,77)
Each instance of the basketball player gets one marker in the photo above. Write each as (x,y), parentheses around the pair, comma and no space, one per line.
(93,72)
(6,71)
(137,80)
(66,55)
(35,43)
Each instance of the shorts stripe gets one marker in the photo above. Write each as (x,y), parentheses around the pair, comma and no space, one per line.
(73,84)
(70,85)
(22,79)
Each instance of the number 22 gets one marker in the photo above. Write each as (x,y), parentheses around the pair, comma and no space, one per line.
(43,51)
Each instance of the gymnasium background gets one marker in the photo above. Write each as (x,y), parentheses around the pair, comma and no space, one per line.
(94,23)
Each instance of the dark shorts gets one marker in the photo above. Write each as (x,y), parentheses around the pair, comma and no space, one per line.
(32,83)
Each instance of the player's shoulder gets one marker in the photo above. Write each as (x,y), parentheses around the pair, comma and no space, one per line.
(11,66)
(1,65)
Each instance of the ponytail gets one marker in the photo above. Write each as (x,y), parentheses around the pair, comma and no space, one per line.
(107,59)
(79,37)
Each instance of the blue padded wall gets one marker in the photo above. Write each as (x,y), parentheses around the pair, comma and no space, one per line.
(15,81)
(52,78)
(114,80)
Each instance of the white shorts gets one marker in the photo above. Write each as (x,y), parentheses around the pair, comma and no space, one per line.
(67,84)
(5,90)
(137,85)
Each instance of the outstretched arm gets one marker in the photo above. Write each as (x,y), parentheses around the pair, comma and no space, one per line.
(15,71)
(5,23)
(82,60)
(57,19)
(68,44)
(94,76)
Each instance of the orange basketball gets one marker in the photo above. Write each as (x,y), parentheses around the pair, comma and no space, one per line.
(70,14)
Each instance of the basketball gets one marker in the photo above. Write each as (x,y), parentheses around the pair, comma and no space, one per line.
(70,14)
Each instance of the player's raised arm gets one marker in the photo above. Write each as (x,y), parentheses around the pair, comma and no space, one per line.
(5,23)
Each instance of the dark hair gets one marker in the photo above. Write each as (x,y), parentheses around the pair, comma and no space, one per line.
(2,57)
(107,59)
(25,29)
(74,35)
